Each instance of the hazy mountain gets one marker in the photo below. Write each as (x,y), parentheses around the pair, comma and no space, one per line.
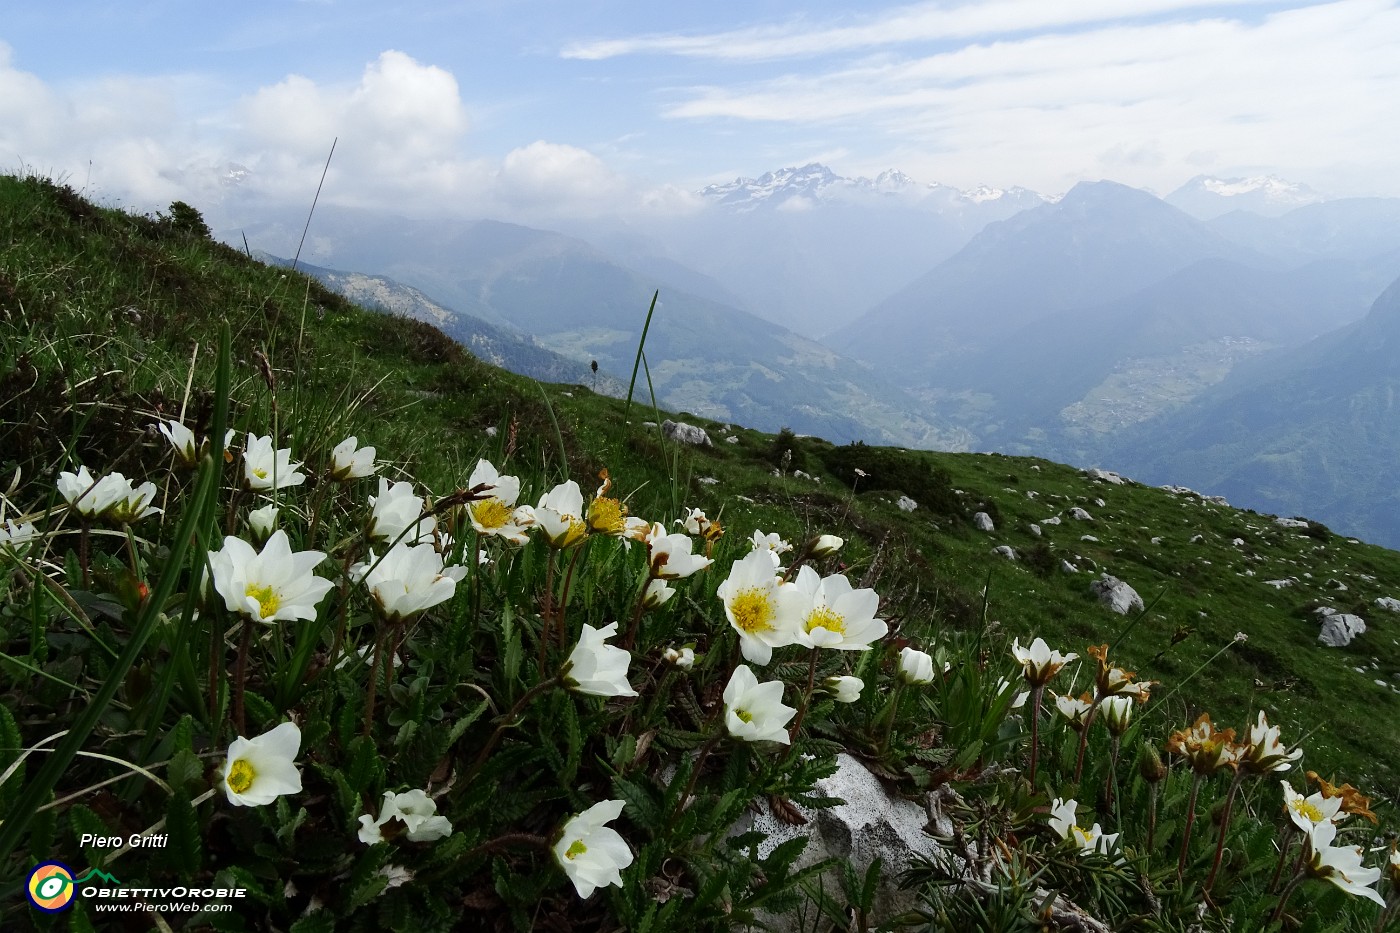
(1205,198)
(1065,384)
(1316,431)
(810,249)
(499,346)
(1101,242)
(1351,227)
(704,356)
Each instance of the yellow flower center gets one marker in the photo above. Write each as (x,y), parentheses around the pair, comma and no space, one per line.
(240,776)
(1084,837)
(752,610)
(260,473)
(1307,809)
(491,513)
(576,848)
(744,715)
(606,515)
(827,618)
(268,600)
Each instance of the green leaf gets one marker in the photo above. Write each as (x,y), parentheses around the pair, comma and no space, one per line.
(641,802)
(184,849)
(184,769)
(82,821)
(320,921)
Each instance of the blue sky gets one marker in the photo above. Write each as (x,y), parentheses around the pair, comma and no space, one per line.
(510,108)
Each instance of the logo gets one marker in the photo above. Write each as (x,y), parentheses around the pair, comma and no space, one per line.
(51,885)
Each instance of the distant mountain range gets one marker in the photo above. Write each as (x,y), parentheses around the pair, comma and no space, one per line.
(1105,327)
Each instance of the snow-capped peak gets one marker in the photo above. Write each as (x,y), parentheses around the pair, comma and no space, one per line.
(1205,196)
(814,183)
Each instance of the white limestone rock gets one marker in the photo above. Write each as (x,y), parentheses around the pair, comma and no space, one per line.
(1080,515)
(871,824)
(1389,603)
(983,521)
(906,504)
(1116,595)
(1005,550)
(1340,628)
(683,433)
(1106,476)
(1290,523)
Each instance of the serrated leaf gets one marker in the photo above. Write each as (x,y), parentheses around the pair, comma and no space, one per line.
(185,768)
(184,848)
(318,921)
(641,802)
(82,820)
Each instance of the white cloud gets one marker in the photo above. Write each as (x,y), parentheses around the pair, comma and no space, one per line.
(921,22)
(1140,102)
(401,132)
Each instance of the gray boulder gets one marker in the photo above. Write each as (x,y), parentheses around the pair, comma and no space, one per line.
(983,521)
(871,824)
(1005,550)
(1389,602)
(1116,595)
(1080,515)
(906,504)
(1340,628)
(683,433)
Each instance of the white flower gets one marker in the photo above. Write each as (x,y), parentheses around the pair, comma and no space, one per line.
(684,658)
(1262,752)
(183,440)
(658,593)
(266,467)
(112,497)
(275,583)
(497,514)
(395,510)
(591,853)
(559,516)
(408,579)
(1062,816)
(349,461)
(694,522)
(844,688)
(1074,709)
(771,544)
(263,521)
(1307,812)
(826,545)
(915,667)
(1038,662)
(14,536)
(258,771)
(1340,865)
(596,668)
(415,809)
(1117,712)
(419,813)
(767,614)
(365,654)
(836,615)
(1088,840)
(671,557)
(753,711)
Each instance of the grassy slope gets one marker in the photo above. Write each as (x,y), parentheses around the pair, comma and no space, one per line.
(100,311)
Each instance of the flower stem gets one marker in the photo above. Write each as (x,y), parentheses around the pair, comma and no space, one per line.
(1288,830)
(507,721)
(564,597)
(1151,816)
(1110,782)
(1037,691)
(1190,821)
(637,611)
(695,772)
(547,610)
(240,675)
(374,679)
(1224,829)
(1084,740)
(806,700)
(1287,893)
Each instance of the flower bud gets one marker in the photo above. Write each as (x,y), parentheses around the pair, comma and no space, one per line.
(1149,763)
(825,545)
(845,689)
